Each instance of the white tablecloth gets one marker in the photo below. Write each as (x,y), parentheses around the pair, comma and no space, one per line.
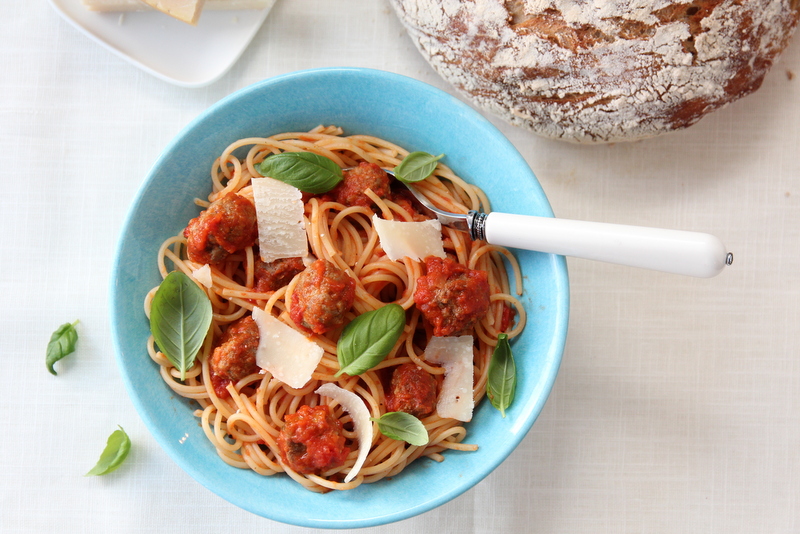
(677,406)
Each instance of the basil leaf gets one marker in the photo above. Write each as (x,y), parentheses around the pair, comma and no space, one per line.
(180,315)
(117,448)
(402,426)
(416,167)
(367,340)
(62,342)
(308,172)
(502,381)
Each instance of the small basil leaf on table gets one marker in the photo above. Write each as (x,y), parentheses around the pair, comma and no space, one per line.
(416,167)
(62,342)
(117,448)
(308,172)
(369,338)
(403,426)
(502,381)
(180,315)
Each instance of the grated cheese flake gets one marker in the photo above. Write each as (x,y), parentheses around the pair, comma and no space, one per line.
(355,406)
(416,240)
(203,275)
(283,351)
(454,353)
(279,210)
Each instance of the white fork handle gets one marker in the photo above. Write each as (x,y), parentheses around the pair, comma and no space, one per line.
(671,251)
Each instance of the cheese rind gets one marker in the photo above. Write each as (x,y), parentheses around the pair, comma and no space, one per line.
(279,209)
(454,353)
(283,351)
(416,240)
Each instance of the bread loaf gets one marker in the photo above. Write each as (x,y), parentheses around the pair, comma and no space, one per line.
(594,71)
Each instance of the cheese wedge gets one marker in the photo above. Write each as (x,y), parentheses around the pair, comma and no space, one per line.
(140,5)
(279,209)
(283,351)
(415,240)
(184,10)
(454,353)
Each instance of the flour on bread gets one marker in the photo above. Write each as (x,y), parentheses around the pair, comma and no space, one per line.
(601,70)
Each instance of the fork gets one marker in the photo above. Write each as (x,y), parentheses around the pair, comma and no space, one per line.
(671,251)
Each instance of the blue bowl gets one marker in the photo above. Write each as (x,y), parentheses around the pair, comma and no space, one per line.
(417,117)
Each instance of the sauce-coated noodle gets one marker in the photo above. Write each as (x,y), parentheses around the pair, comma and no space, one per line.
(244,427)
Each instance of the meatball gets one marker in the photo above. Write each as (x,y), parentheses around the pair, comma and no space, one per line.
(406,200)
(322,296)
(350,191)
(451,297)
(274,275)
(235,356)
(228,225)
(412,390)
(311,441)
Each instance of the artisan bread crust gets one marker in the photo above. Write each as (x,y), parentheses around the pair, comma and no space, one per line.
(594,71)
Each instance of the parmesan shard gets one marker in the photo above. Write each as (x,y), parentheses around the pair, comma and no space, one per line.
(184,10)
(416,240)
(283,351)
(203,276)
(309,259)
(279,209)
(454,353)
(355,406)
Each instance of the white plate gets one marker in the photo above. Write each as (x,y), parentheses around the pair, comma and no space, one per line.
(189,56)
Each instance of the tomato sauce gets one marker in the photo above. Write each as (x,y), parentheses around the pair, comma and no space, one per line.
(451,297)
(403,198)
(350,190)
(507,318)
(311,440)
(228,225)
(411,390)
(235,356)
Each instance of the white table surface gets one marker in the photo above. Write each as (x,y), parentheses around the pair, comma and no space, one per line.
(677,406)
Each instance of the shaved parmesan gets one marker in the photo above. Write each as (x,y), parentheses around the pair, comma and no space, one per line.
(358,410)
(283,351)
(184,10)
(279,209)
(203,276)
(455,355)
(309,259)
(416,240)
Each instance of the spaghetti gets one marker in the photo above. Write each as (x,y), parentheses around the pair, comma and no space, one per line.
(245,427)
